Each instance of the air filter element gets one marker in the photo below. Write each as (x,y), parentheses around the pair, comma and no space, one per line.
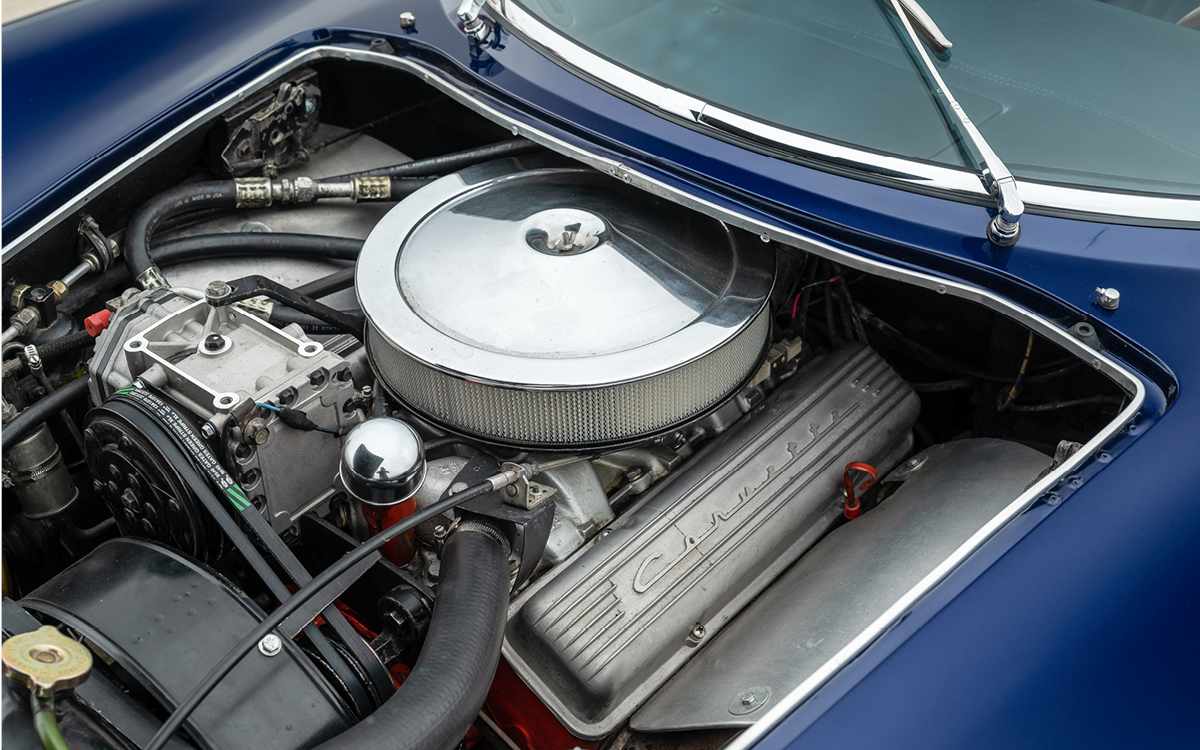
(558,308)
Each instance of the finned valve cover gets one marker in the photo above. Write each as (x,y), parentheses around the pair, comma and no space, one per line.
(559,308)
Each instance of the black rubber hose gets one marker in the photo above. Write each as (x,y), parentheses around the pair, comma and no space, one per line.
(440,165)
(402,187)
(326,285)
(64,345)
(178,200)
(282,316)
(254,244)
(436,705)
(42,410)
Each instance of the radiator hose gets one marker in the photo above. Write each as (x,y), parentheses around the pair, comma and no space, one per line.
(437,704)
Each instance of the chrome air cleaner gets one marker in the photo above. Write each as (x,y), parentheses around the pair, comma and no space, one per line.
(557,307)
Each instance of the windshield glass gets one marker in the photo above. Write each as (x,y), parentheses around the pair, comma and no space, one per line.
(1076,92)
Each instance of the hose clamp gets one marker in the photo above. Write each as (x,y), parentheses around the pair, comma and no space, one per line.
(485,528)
(33,474)
(33,357)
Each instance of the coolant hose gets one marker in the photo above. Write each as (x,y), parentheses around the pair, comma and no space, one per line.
(436,705)
(178,200)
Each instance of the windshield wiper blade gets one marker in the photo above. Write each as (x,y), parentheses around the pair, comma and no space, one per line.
(1005,227)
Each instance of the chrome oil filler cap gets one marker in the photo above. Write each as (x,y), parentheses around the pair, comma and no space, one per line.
(383,461)
(558,307)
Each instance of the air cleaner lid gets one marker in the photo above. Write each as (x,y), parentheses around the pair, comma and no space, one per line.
(555,278)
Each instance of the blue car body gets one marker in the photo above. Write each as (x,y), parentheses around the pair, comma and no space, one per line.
(1075,625)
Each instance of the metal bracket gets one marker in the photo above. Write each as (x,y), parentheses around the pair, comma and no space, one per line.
(523,493)
(221,294)
(527,529)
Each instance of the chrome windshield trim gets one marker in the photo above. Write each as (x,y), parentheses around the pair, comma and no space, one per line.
(1101,361)
(956,184)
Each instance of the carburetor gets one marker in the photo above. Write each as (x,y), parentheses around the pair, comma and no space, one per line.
(277,400)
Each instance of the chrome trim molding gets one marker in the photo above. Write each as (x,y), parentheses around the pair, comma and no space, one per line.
(1099,360)
(956,184)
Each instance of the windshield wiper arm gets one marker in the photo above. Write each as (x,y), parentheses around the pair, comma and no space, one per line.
(1005,227)
(928,30)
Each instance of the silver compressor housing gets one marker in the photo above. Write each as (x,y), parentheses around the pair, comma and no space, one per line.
(558,308)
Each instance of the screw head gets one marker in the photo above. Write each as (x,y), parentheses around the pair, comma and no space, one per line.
(270,645)
(213,342)
(698,632)
(1108,298)
(748,699)
(208,430)
(408,20)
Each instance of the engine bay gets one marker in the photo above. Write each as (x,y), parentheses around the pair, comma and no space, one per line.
(353,418)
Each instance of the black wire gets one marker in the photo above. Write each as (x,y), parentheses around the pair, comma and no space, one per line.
(860,333)
(829,321)
(440,165)
(919,351)
(945,385)
(378,121)
(800,306)
(1056,405)
(293,603)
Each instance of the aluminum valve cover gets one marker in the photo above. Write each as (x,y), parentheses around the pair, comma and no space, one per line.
(598,634)
(558,307)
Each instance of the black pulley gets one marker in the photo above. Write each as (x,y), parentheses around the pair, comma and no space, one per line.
(142,488)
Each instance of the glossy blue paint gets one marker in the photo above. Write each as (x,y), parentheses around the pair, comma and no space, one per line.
(1074,626)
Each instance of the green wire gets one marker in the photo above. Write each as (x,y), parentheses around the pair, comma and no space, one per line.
(46,724)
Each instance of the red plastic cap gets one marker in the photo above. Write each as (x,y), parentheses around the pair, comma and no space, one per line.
(852,506)
(94,324)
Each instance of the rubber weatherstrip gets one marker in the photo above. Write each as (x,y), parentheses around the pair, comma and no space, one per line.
(199,456)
